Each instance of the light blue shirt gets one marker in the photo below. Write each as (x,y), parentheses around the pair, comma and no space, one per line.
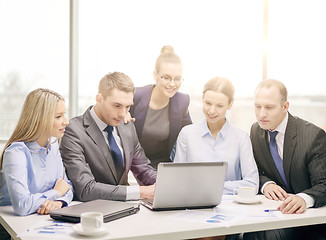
(29,173)
(195,143)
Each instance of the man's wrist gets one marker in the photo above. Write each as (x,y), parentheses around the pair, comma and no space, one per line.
(133,192)
(308,199)
(265,184)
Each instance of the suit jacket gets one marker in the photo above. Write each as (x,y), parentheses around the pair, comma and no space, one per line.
(304,158)
(89,164)
(178,112)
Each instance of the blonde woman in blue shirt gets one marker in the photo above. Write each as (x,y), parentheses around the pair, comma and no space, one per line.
(215,139)
(33,178)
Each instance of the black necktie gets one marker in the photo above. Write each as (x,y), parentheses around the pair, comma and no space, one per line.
(276,157)
(115,152)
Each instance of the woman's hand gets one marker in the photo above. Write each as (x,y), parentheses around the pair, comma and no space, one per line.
(61,186)
(128,118)
(48,206)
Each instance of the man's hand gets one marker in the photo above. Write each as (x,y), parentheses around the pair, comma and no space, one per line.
(275,192)
(293,204)
(147,191)
(48,206)
(128,118)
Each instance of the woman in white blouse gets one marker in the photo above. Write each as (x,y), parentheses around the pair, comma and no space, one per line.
(216,140)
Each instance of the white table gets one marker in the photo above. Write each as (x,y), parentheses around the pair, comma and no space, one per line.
(150,225)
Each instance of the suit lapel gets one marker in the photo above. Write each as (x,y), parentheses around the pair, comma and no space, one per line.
(290,143)
(173,119)
(125,142)
(264,141)
(141,109)
(96,135)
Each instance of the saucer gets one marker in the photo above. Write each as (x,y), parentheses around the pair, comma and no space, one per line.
(247,200)
(79,230)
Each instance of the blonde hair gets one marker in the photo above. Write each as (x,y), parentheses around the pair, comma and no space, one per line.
(272,82)
(115,80)
(221,85)
(167,55)
(36,118)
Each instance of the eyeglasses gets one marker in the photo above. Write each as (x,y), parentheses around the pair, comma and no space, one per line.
(168,79)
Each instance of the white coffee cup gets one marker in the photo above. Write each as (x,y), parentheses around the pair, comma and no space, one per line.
(245,192)
(91,221)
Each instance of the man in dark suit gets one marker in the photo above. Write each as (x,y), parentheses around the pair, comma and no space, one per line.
(291,158)
(98,151)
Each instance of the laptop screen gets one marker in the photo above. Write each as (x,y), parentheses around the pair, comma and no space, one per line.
(189,185)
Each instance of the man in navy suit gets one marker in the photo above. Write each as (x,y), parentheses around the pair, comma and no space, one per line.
(291,159)
(89,157)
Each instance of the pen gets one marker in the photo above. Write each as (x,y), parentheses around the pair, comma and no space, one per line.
(51,225)
(52,228)
(271,210)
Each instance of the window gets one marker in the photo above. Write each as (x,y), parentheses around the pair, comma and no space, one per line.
(34,47)
(297,55)
(213,38)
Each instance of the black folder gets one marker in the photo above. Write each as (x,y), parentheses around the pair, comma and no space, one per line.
(111,210)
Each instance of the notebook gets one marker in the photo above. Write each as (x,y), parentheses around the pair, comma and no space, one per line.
(188,185)
(111,210)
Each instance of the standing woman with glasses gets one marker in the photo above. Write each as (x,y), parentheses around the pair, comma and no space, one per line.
(160,111)
(33,178)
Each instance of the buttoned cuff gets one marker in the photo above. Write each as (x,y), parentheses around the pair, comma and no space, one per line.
(51,194)
(310,202)
(133,193)
(262,188)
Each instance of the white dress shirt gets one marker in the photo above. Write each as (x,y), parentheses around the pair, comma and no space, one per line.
(133,192)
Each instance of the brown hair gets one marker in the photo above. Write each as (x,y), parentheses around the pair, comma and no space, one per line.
(167,55)
(115,80)
(221,85)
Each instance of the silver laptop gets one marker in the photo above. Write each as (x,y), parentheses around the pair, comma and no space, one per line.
(188,185)
(111,210)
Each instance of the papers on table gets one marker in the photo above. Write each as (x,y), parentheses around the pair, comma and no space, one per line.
(227,214)
(51,228)
(207,217)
